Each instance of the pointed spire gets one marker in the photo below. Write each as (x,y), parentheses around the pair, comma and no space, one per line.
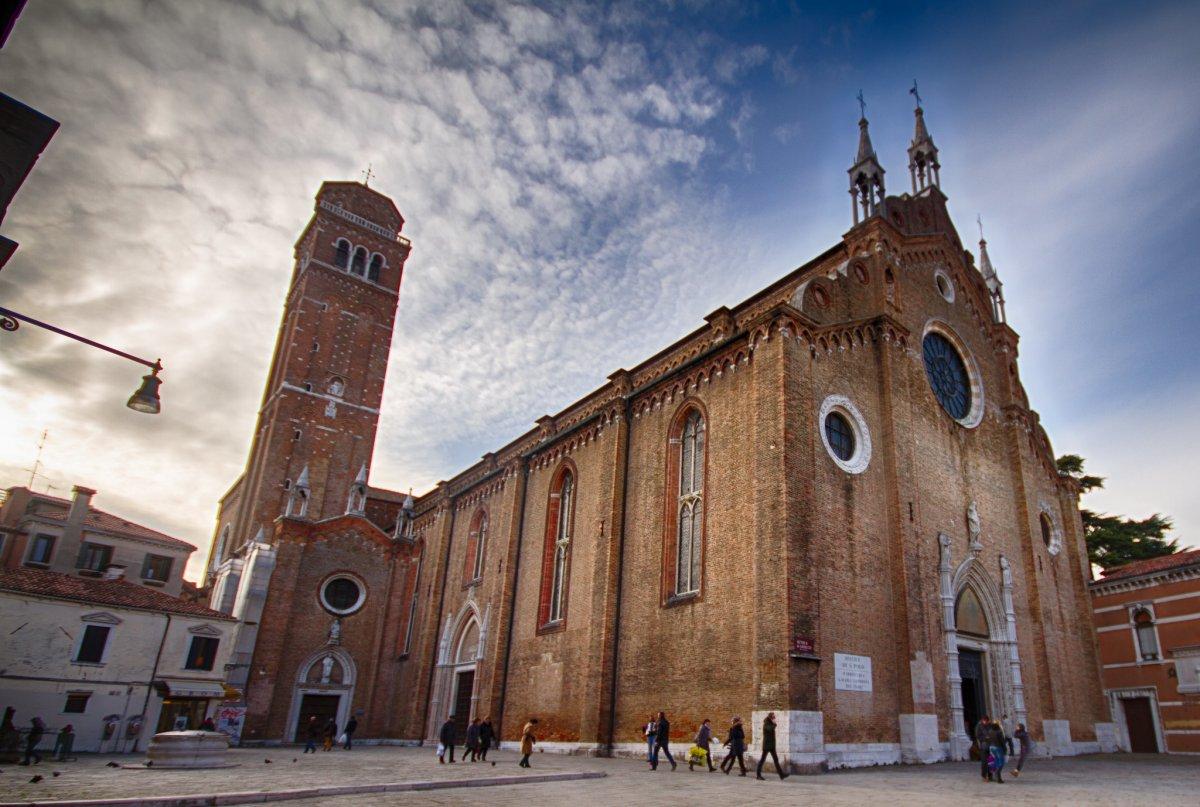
(260,537)
(923,166)
(361,479)
(302,482)
(995,287)
(867,192)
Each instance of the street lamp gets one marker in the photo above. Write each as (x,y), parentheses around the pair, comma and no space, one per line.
(145,399)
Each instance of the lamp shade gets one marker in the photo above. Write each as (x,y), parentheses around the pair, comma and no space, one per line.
(146,398)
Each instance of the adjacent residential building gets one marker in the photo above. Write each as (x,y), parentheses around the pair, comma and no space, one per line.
(39,531)
(115,659)
(1147,617)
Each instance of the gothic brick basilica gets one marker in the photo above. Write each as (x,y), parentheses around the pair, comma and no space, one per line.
(832,501)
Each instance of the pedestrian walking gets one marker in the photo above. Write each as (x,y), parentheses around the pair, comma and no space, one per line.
(472,747)
(527,741)
(703,740)
(982,734)
(487,735)
(768,747)
(1009,727)
(650,732)
(64,743)
(37,730)
(329,734)
(736,743)
(447,737)
(1022,736)
(662,740)
(351,727)
(313,733)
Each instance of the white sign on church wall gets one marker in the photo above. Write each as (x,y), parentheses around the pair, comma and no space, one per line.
(852,672)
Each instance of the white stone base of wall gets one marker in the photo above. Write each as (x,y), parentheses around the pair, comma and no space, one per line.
(1086,747)
(861,755)
(1106,737)
(1058,737)
(919,742)
(799,739)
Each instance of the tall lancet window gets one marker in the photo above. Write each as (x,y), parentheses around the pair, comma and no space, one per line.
(359,266)
(297,505)
(556,561)
(342,258)
(686,474)
(476,548)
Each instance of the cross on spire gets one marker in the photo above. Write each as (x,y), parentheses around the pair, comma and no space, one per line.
(915,94)
(862,105)
(367,175)
(979,221)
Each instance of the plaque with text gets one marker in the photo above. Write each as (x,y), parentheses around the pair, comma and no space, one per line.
(852,673)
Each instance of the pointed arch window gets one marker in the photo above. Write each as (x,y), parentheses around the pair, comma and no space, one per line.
(342,258)
(684,561)
(476,548)
(556,559)
(374,269)
(359,266)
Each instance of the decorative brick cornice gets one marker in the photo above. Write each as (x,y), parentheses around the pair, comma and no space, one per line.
(1179,574)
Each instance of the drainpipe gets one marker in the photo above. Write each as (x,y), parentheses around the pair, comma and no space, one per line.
(157,657)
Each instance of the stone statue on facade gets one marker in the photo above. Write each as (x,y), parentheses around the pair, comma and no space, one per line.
(974,528)
(335,632)
(326,669)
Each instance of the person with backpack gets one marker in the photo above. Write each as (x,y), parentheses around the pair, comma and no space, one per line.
(662,739)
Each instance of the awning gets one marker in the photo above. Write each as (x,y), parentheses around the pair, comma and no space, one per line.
(177,688)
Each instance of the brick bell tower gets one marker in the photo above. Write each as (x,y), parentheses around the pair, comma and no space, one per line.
(316,426)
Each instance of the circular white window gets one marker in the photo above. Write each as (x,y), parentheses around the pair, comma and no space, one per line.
(343,594)
(1051,534)
(844,433)
(945,285)
(952,374)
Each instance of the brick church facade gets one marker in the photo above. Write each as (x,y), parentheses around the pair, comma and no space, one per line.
(832,500)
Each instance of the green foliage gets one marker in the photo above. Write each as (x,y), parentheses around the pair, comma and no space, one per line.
(1116,540)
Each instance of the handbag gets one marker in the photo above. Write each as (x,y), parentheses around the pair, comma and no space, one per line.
(441,752)
(341,738)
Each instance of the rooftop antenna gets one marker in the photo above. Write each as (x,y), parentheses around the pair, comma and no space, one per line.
(367,176)
(37,462)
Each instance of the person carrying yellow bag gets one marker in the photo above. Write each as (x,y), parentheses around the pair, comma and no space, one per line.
(700,753)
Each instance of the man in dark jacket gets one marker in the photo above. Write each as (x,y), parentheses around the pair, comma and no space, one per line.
(736,743)
(37,730)
(768,746)
(662,739)
(983,736)
(447,737)
(487,736)
(351,727)
(312,733)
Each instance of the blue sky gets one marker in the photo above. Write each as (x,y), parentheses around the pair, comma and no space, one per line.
(583,184)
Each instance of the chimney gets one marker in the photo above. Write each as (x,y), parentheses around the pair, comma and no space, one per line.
(72,535)
(114,572)
(81,502)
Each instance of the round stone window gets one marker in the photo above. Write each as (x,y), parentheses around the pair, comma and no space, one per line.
(845,435)
(1051,537)
(343,595)
(945,286)
(952,377)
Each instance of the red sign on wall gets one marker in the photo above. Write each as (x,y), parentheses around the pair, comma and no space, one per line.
(804,645)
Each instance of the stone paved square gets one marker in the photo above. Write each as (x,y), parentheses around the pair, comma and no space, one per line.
(1120,779)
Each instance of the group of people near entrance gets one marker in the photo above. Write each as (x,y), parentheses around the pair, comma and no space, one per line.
(327,734)
(658,738)
(480,737)
(993,738)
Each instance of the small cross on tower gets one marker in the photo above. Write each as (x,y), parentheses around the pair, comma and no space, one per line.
(862,105)
(915,94)
(367,175)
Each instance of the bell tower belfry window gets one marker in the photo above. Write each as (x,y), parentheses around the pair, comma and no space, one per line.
(866,175)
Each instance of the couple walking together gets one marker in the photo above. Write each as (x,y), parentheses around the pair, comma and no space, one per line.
(658,738)
(992,738)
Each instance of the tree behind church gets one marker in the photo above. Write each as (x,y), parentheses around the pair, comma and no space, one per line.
(1116,540)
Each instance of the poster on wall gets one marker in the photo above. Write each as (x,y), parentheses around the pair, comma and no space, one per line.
(230,718)
(852,673)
